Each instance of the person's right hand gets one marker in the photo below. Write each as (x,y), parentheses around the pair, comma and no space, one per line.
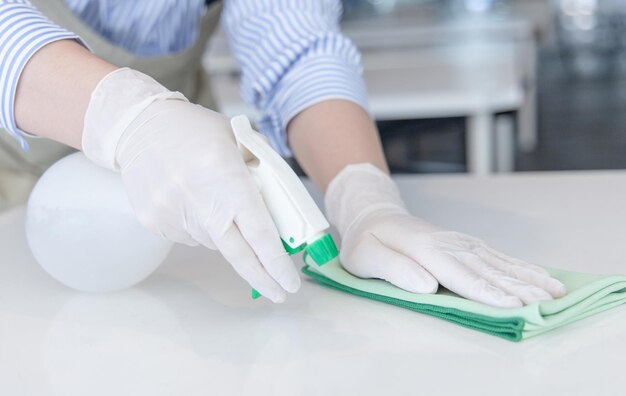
(381,239)
(185,176)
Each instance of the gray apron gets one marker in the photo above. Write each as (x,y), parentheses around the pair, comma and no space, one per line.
(181,72)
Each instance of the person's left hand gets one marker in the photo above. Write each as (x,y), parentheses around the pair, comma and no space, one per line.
(380,239)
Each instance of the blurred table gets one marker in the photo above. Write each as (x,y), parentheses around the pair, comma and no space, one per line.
(191,328)
(476,68)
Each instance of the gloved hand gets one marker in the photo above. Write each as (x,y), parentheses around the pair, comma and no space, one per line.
(380,239)
(185,176)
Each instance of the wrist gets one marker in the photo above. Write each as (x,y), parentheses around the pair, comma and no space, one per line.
(118,99)
(358,191)
(53,91)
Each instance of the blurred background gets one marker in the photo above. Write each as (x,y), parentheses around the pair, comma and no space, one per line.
(484,86)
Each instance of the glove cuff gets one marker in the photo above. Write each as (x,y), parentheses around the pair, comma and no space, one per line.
(115,102)
(357,191)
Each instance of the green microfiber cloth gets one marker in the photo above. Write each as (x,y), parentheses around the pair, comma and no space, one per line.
(587,295)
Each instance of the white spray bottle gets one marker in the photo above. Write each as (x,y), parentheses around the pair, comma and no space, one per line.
(300,223)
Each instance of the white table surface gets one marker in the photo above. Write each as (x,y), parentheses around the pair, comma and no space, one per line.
(191,328)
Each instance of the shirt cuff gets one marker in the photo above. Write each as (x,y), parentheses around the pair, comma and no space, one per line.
(310,81)
(23,31)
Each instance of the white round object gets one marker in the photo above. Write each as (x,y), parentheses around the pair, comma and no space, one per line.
(82,229)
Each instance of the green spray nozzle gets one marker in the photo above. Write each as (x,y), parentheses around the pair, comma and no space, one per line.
(321,251)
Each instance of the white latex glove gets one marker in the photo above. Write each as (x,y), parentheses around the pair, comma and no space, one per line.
(380,239)
(185,176)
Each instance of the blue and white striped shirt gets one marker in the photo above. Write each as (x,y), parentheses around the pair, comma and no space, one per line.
(291,53)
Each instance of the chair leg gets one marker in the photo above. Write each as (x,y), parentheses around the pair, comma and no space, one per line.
(479,139)
(504,143)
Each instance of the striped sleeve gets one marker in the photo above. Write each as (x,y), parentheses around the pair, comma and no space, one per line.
(292,55)
(23,31)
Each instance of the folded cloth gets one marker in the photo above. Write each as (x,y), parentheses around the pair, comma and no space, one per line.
(587,295)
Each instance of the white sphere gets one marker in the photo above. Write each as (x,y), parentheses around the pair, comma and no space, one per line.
(82,230)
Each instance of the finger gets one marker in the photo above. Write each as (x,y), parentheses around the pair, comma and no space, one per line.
(167,227)
(200,233)
(457,277)
(526,292)
(523,271)
(179,236)
(202,237)
(169,231)
(372,259)
(259,231)
(193,228)
(236,250)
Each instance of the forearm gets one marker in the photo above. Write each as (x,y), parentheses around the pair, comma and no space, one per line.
(332,134)
(54,91)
